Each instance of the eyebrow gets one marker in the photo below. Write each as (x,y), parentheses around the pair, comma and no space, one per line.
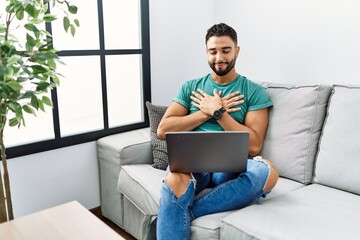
(223,48)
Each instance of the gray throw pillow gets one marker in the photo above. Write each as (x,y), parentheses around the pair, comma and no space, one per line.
(159,148)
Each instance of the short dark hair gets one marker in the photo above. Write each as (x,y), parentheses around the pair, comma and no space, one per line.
(219,30)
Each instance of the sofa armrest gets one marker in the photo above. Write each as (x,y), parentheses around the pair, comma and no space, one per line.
(126,148)
(113,151)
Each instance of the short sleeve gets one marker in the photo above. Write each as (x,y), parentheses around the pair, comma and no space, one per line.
(183,96)
(259,99)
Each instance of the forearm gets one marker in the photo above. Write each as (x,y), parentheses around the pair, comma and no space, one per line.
(255,138)
(181,123)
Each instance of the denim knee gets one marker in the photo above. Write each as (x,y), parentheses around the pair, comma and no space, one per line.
(259,172)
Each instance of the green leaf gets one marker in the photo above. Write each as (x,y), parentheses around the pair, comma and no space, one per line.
(12,60)
(37,20)
(73,9)
(34,102)
(56,80)
(31,27)
(31,10)
(38,69)
(49,17)
(51,63)
(15,85)
(47,101)
(66,23)
(73,30)
(41,105)
(77,23)
(14,107)
(27,94)
(14,122)
(28,109)
(30,40)
(20,14)
(42,86)
(3,111)
(29,48)
(51,55)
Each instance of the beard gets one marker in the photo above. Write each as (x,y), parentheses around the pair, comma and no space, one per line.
(219,72)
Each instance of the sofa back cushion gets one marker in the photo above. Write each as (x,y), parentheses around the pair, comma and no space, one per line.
(338,160)
(295,124)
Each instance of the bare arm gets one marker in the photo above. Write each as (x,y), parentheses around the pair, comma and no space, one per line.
(256,123)
(176,119)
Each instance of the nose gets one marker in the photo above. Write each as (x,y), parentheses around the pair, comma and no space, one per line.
(218,57)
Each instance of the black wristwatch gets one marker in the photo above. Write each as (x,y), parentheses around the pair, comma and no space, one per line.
(218,113)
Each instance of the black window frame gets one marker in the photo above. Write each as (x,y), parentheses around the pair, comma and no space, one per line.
(60,142)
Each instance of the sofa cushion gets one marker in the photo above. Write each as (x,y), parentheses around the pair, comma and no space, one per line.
(141,184)
(208,227)
(311,212)
(338,161)
(159,146)
(283,186)
(295,123)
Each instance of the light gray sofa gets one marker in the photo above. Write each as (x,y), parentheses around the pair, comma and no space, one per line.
(312,139)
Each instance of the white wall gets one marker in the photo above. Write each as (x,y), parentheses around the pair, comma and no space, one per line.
(47,179)
(282,41)
(177,30)
(311,41)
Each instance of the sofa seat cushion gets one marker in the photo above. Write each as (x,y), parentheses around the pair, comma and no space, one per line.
(208,227)
(141,184)
(282,186)
(311,212)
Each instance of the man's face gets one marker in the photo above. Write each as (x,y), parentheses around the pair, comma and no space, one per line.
(222,53)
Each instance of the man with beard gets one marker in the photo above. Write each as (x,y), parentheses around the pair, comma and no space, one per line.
(220,101)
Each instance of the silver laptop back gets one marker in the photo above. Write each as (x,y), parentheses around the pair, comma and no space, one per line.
(207,151)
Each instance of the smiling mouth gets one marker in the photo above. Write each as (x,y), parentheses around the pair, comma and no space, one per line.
(220,64)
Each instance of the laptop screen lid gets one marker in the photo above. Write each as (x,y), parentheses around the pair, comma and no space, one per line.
(207,151)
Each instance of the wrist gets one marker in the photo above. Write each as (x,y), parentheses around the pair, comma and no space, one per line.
(219,113)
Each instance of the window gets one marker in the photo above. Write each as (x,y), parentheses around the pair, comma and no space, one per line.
(106,79)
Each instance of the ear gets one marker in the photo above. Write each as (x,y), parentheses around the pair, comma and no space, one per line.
(237,49)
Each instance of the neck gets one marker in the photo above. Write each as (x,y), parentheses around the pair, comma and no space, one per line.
(230,76)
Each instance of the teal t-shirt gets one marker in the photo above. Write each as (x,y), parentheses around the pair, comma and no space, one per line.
(255,97)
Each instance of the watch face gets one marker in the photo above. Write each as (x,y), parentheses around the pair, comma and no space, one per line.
(218,113)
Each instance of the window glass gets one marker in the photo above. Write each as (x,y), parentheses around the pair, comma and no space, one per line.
(122,24)
(86,36)
(124,89)
(80,95)
(38,128)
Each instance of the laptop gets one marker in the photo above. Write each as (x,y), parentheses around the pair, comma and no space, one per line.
(207,151)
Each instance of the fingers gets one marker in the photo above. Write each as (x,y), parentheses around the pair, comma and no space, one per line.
(231,110)
(231,95)
(204,94)
(230,102)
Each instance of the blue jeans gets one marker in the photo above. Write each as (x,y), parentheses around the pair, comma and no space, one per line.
(229,191)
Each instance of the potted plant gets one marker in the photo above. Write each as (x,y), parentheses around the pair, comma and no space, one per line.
(27,69)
